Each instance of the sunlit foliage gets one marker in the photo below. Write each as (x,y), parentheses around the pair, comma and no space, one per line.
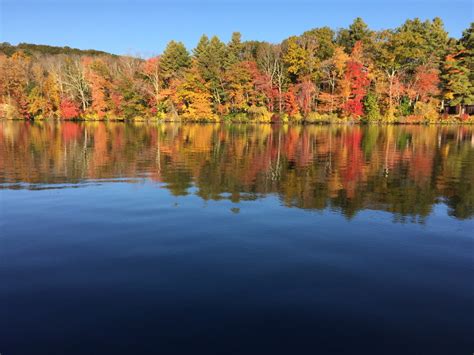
(414,73)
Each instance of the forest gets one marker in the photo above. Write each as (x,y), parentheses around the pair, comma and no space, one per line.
(415,73)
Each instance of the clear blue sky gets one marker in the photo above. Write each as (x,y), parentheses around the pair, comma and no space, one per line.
(144,26)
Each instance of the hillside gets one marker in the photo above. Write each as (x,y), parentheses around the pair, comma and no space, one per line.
(30,49)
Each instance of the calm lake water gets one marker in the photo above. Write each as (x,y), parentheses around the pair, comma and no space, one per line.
(235,239)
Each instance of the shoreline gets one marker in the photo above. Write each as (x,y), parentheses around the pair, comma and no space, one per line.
(451,121)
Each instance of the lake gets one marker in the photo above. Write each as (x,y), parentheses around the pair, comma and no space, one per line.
(172,238)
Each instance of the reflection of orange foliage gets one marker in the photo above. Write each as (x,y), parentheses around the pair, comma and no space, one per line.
(70,131)
(355,162)
(100,146)
(421,165)
(308,167)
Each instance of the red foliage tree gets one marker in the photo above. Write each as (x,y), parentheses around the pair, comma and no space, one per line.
(262,84)
(69,109)
(306,90)
(426,83)
(356,75)
(291,105)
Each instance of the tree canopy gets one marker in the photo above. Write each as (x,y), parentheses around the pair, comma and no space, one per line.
(412,73)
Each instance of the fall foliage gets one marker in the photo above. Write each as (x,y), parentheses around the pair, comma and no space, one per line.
(413,73)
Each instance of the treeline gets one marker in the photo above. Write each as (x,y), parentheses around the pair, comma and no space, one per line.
(413,73)
(42,49)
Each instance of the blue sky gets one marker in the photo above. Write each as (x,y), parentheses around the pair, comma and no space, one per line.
(144,26)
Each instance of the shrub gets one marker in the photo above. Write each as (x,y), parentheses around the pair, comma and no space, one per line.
(427,110)
(68,109)
(414,119)
(8,111)
(464,117)
(236,117)
(259,114)
(284,118)
(315,117)
(405,108)
(297,117)
(371,108)
(160,115)
(389,115)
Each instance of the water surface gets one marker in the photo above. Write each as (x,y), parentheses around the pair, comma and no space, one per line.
(235,239)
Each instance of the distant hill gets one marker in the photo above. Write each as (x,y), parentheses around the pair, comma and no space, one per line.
(28,48)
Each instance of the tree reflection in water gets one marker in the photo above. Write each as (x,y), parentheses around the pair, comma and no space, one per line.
(405,170)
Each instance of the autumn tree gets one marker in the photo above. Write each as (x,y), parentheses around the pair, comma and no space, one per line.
(459,89)
(425,83)
(270,61)
(305,92)
(413,70)
(100,83)
(129,89)
(13,86)
(76,87)
(320,42)
(239,87)
(191,97)
(398,53)
(154,83)
(295,59)
(247,86)
(332,75)
(44,97)
(291,104)
(357,78)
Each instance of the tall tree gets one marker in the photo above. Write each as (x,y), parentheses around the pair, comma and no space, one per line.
(234,49)
(151,70)
(357,31)
(295,59)
(332,73)
(458,72)
(15,80)
(100,82)
(211,60)
(356,76)
(269,59)
(75,83)
(174,61)
(191,97)
(44,97)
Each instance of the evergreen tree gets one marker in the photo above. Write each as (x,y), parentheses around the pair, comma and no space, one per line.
(459,72)
(175,60)
(357,31)
(234,50)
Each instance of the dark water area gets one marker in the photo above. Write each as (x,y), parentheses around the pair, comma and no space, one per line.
(236,239)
